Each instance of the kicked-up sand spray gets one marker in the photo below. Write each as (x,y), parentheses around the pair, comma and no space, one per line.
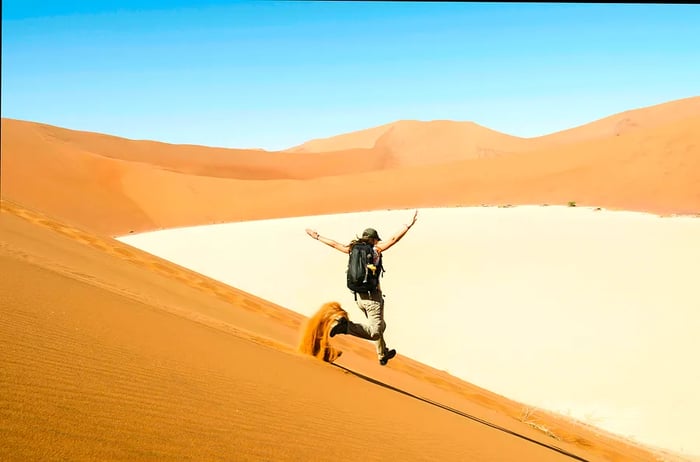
(315,334)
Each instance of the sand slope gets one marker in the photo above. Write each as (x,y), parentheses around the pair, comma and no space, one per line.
(109,353)
(585,312)
(628,121)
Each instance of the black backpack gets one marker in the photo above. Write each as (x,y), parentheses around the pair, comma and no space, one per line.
(363,276)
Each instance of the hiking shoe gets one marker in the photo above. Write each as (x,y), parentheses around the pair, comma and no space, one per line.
(389,354)
(341,327)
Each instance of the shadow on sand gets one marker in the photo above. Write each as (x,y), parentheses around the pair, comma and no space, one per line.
(460,413)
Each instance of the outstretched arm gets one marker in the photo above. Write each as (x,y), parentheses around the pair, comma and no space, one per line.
(329,242)
(384,245)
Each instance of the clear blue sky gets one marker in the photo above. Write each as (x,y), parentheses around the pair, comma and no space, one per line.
(275,74)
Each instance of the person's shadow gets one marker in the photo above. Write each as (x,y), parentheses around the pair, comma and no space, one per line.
(458,412)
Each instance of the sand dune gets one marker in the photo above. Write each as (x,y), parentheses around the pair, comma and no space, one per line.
(656,170)
(366,139)
(592,313)
(114,186)
(28,138)
(111,353)
(414,142)
(114,353)
(628,121)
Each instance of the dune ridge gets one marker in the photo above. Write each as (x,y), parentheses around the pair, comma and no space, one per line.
(242,164)
(365,138)
(135,186)
(437,141)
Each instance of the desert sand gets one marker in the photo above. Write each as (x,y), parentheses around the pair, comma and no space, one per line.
(108,352)
(584,312)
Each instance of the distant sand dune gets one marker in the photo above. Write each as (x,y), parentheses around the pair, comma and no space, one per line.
(415,142)
(366,139)
(643,160)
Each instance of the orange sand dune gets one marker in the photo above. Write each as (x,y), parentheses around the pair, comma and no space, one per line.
(366,139)
(107,352)
(628,121)
(653,170)
(98,182)
(412,142)
(39,143)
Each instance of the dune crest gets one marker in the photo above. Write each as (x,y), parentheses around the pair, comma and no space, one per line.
(365,138)
(314,340)
(642,160)
(628,121)
(415,142)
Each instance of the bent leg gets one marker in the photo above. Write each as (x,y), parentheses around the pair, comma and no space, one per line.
(374,330)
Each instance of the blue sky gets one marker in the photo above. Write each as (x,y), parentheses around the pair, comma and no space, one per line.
(275,74)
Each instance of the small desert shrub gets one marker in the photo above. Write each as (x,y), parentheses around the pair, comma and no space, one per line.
(527,417)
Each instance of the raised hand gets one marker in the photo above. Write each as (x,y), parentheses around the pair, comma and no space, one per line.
(413,220)
(312,233)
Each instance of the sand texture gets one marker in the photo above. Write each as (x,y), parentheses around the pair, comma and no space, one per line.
(109,352)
